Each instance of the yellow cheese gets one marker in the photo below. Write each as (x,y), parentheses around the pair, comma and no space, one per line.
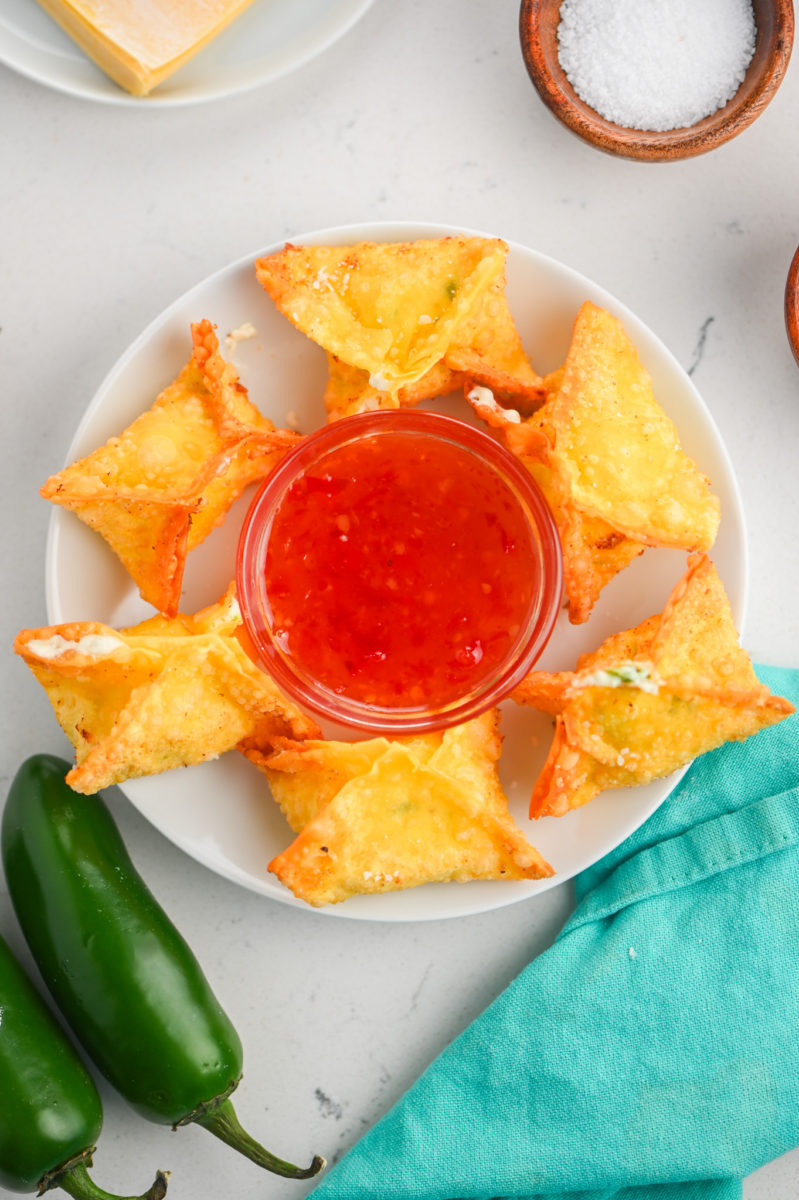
(139,43)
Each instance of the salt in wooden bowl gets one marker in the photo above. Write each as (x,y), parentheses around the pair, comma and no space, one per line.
(538,30)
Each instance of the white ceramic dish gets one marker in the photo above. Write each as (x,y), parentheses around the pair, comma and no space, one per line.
(270,39)
(221,812)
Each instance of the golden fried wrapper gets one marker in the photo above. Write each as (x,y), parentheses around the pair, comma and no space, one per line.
(396,311)
(593,551)
(349,391)
(619,451)
(487,350)
(650,699)
(222,617)
(158,489)
(608,460)
(163,694)
(381,815)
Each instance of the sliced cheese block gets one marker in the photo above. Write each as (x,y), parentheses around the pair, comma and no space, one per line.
(139,43)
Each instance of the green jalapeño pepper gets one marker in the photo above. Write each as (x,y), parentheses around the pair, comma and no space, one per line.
(50,1110)
(128,984)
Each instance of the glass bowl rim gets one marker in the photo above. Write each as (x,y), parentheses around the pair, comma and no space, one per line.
(355,714)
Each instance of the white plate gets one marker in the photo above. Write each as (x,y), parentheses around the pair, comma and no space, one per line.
(268,40)
(221,813)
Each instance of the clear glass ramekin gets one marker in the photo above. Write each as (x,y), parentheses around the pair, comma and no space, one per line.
(483,692)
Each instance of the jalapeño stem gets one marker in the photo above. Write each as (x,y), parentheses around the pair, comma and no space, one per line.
(75,1179)
(222,1122)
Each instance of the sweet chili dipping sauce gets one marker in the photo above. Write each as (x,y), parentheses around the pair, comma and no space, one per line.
(399,571)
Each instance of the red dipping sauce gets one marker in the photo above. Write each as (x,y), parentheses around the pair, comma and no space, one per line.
(399,571)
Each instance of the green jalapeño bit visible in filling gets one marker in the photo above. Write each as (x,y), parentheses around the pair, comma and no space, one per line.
(629,674)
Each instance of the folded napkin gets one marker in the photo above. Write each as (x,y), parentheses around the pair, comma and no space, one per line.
(652,1052)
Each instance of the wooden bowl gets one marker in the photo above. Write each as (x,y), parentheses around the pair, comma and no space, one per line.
(792,306)
(538,30)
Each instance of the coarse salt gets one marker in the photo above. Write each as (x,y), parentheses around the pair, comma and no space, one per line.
(656,64)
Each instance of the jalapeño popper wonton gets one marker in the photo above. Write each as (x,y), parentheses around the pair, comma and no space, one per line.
(158,489)
(167,693)
(381,815)
(649,699)
(404,322)
(609,461)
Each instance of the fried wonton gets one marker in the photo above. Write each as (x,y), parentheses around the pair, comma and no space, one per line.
(158,489)
(609,461)
(381,815)
(649,699)
(407,318)
(163,694)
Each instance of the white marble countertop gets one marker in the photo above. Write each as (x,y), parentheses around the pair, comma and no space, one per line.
(421,112)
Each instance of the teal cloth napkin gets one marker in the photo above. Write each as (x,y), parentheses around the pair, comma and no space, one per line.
(652,1053)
